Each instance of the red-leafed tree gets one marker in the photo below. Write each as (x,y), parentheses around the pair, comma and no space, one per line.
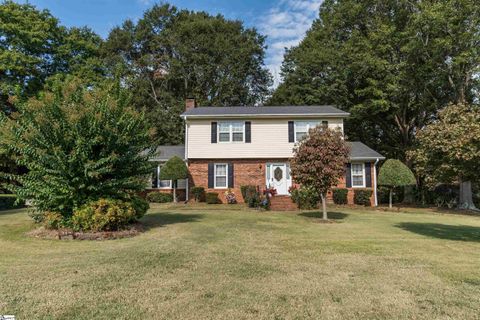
(319,161)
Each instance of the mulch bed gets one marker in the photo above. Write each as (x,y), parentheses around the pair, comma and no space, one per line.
(66,234)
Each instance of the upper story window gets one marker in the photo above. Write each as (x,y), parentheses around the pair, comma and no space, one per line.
(358,175)
(302,128)
(231,131)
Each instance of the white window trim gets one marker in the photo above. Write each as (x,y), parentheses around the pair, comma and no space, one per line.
(363,174)
(230,132)
(308,127)
(215,175)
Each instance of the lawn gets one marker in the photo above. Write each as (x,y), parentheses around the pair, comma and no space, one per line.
(224,262)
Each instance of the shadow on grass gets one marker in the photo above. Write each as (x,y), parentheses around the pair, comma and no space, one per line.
(159,219)
(443,231)
(319,215)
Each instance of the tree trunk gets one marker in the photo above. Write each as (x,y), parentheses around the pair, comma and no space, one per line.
(466,198)
(390,198)
(324,207)
(174,191)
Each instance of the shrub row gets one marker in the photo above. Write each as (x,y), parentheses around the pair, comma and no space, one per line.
(360,196)
(159,197)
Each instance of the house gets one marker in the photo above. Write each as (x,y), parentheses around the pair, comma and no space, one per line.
(227,147)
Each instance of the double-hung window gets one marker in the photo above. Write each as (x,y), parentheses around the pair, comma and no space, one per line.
(358,175)
(220,175)
(231,131)
(302,128)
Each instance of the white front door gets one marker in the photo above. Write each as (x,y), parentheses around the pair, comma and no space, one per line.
(278,177)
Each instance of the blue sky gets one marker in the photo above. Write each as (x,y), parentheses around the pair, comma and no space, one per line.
(284,22)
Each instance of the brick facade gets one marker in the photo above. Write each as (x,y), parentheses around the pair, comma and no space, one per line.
(246,172)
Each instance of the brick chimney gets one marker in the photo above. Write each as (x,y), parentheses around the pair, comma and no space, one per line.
(189,104)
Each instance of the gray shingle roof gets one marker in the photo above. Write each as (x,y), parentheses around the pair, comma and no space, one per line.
(265,111)
(359,151)
(163,153)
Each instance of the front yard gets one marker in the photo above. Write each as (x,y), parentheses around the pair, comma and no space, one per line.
(221,262)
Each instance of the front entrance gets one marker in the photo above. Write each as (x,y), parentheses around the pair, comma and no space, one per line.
(278,177)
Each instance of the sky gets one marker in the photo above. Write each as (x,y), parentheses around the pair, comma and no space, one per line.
(284,22)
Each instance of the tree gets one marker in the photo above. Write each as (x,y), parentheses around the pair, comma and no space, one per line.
(174,169)
(79,144)
(392,64)
(394,173)
(170,55)
(449,150)
(319,161)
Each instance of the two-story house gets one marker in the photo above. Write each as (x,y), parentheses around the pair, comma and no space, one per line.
(227,147)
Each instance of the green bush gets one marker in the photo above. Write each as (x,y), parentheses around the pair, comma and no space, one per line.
(362,197)
(340,196)
(305,198)
(198,193)
(140,206)
(212,198)
(104,215)
(159,197)
(251,196)
(52,220)
(7,202)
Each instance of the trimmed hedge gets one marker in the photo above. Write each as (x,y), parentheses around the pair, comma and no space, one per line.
(212,198)
(159,197)
(340,196)
(305,198)
(362,197)
(198,193)
(7,202)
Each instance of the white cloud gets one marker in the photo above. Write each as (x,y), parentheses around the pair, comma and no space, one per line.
(285,26)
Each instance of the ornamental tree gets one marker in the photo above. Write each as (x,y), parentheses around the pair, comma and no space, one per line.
(393,174)
(174,169)
(319,161)
(449,150)
(78,144)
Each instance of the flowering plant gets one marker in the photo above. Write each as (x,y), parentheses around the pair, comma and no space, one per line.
(230,197)
(270,192)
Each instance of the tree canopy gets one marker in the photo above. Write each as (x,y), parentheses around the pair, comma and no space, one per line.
(78,144)
(170,55)
(392,64)
(174,169)
(395,173)
(448,150)
(319,161)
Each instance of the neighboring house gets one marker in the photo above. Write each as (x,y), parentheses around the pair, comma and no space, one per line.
(227,147)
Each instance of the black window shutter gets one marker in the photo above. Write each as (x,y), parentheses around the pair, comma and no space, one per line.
(214,132)
(348,175)
(368,174)
(291,131)
(248,131)
(211,168)
(230,175)
(325,124)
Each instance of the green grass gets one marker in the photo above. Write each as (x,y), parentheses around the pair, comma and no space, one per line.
(221,262)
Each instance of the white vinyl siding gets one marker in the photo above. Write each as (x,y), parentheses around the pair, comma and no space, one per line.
(269,139)
(220,175)
(358,175)
(231,131)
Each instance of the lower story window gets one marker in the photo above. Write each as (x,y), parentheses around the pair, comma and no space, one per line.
(358,175)
(221,175)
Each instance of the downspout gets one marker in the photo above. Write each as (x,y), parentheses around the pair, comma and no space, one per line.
(186,159)
(375,182)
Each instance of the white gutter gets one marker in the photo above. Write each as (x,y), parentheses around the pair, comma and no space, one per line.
(186,159)
(246,115)
(375,183)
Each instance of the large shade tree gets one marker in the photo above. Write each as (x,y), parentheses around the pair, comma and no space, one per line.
(449,150)
(79,144)
(319,161)
(170,55)
(392,63)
